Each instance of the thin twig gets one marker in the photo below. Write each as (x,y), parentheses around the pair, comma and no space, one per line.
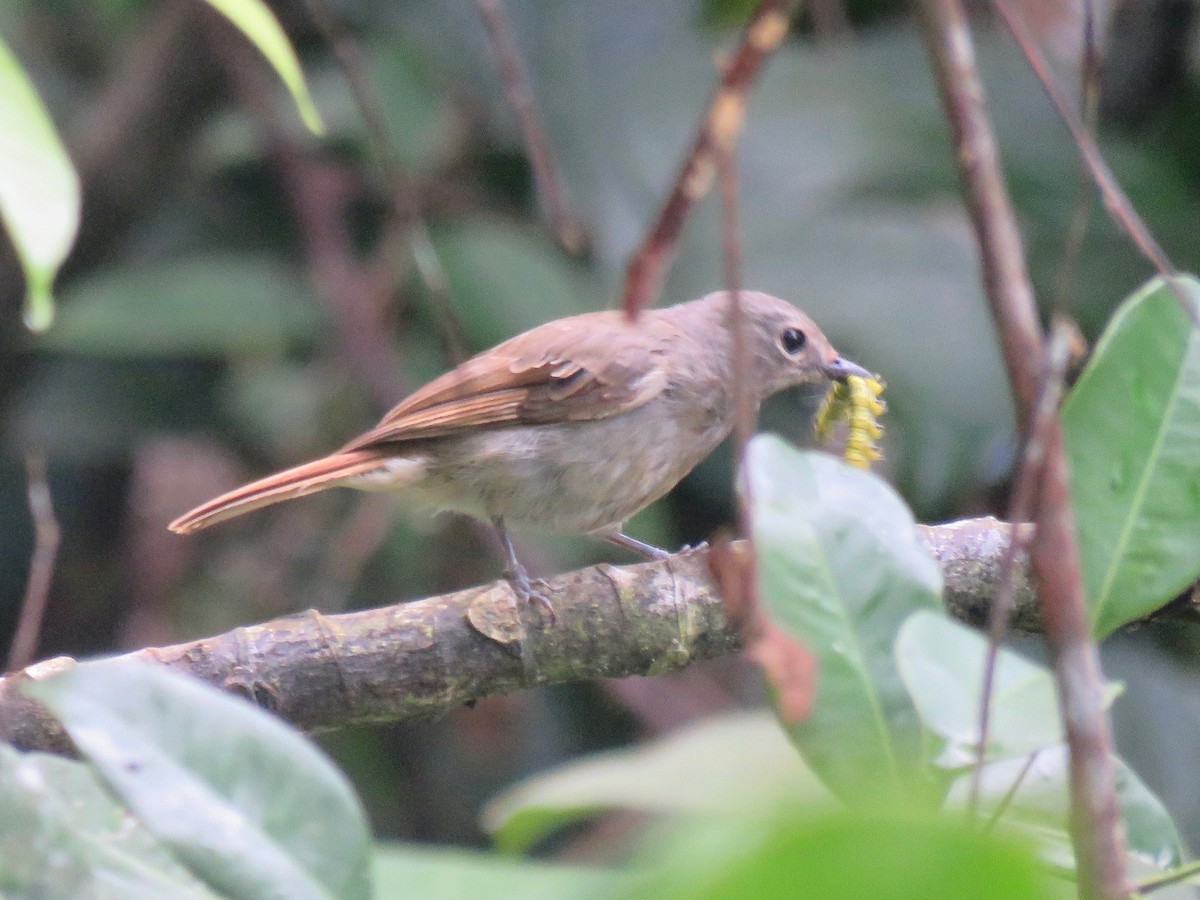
(1115,199)
(414,233)
(743,404)
(1021,509)
(1089,111)
(790,667)
(46,536)
(546,175)
(1096,826)
(1175,876)
(719,128)
(1011,794)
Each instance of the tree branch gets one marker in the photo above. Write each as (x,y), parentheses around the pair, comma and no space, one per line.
(426,657)
(1097,829)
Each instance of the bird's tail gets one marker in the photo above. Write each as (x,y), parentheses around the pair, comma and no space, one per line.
(326,472)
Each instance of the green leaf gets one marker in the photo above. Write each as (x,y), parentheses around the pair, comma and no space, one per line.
(259,24)
(846,855)
(941,662)
(63,835)
(250,805)
(739,759)
(840,568)
(1040,808)
(410,873)
(39,190)
(1132,429)
(223,305)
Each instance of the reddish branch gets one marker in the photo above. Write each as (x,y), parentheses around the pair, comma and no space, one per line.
(718,131)
(1096,824)
(546,175)
(788,665)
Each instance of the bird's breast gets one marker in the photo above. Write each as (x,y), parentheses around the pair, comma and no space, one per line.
(576,477)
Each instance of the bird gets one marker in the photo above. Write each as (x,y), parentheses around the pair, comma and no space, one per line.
(572,426)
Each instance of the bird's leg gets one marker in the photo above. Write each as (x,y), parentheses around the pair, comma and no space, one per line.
(647,550)
(516,575)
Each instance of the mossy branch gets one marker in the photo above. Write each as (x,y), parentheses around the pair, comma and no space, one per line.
(426,657)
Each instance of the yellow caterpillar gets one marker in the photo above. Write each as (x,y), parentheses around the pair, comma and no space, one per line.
(855,401)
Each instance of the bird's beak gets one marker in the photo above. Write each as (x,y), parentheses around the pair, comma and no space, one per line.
(840,369)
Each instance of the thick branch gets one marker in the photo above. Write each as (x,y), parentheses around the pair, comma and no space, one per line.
(427,657)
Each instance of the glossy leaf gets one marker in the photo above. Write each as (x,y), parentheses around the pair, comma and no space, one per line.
(39,190)
(840,568)
(256,21)
(224,305)
(1040,808)
(1132,429)
(740,758)
(941,662)
(63,835)
(247,803)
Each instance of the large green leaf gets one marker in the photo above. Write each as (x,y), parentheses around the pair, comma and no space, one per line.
(1040,808)
(412,873)
(63,836)
(1132,432)
(840,568)
(739,759)
(259,24)
(851,854)
(941,662)
(250,805)
(208,305)
(39,190)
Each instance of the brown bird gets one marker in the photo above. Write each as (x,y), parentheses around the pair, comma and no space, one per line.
(573,426)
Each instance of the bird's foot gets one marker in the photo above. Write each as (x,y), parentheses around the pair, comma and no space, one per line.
(530,590)
(523,586)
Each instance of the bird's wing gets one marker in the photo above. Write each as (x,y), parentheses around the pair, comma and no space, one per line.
(581,368)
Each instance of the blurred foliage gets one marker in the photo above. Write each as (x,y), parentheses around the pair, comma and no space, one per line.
(202,336)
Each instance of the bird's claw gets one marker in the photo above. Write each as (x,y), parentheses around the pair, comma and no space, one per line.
(530,590)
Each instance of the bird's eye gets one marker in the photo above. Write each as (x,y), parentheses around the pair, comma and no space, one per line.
(792,341)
